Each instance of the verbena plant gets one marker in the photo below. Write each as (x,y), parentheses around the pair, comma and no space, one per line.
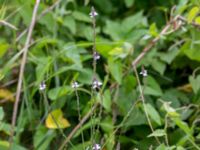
(99,74)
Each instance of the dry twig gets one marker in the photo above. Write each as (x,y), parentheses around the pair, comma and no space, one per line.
(21,73)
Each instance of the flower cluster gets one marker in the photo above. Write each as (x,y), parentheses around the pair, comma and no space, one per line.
(75,85)
(96,56)
(144,72)
(96,147)
(96,84)
(42,86)
(93,13)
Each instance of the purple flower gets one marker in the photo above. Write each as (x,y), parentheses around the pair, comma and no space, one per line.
(75,85)
(96,56)
(42,86)
(96,84)
(96,147)
(93,13)
(144,72)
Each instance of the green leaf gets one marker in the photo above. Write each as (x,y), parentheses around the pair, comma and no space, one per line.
(154,115)
(42,138)
(192,14)
(86,2)
(184,126)
(129,3)
(169,56)
(113,29)
(81,16)
(4,145)
(197,20)
(161,147)
(170,110)
(70,23)
(85,76)
(157,133)
(56,93)
(195,83)
(3,49)
(191,50)
(153,30)
(115,68)
(107,100)
(122,51)
(43,66)
(131,22)
(47,21)
(1,113)
(72,55)
(158,66)
(152,88)
(136,118)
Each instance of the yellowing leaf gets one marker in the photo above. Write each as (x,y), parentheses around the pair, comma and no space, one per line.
(55,120)
(3,48)
(197,20)
(185,88)
(6,94)
(192,14)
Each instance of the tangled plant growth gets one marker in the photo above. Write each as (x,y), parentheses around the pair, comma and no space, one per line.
(118,75)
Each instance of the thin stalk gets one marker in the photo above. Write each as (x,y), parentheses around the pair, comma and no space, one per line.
(143,102)
(79,115)
(21,74)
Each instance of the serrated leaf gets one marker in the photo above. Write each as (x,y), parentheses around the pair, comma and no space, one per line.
(157,133)
(158,66)
(58,92)
(154,115)
(81,16)
(55,120)
(115,68)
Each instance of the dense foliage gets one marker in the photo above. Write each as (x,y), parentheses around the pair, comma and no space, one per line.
(80,74)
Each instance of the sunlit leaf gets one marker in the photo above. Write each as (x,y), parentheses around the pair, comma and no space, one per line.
(55,120)
(197,20)
(3,48)
(157,133)
(192,14)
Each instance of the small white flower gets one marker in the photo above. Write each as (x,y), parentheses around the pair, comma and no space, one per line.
(96,56)
(93,13)
(42,86)
(75,85)
(144,73)
(96,147)
(96,84)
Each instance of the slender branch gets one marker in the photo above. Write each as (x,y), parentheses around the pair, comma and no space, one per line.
(3,22)
(155,40)
(21,73)
(83,120)
(143,102)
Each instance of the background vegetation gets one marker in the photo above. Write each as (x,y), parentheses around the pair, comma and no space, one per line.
(129,110)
